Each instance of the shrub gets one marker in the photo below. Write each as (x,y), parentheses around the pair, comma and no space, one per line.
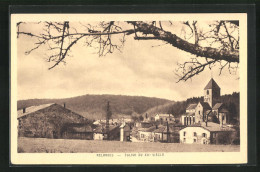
(20,150)
(223,138)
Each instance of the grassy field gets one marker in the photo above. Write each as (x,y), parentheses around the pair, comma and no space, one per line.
(30,145)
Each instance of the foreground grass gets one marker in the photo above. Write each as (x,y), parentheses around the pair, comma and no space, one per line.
(30,145)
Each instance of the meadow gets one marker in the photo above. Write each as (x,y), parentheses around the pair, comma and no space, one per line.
(44,145)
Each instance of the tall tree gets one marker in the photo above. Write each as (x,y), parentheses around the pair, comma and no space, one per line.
(217,42)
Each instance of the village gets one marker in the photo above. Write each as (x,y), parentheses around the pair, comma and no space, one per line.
(207,122)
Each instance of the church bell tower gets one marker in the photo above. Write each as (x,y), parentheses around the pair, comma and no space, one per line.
(211,93)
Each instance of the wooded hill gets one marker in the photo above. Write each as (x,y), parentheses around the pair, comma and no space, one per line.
(231,102)
(94,106)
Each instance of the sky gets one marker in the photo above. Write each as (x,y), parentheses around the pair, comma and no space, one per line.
(142,68)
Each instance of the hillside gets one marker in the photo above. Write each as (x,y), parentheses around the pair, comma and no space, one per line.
(93,106)
(231,102)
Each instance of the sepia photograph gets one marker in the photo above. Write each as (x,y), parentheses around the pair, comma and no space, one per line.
(121,89)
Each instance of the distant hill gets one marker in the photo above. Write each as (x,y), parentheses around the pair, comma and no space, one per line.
(94,106)
(231,102)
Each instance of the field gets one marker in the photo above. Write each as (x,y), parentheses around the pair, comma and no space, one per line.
(43,145)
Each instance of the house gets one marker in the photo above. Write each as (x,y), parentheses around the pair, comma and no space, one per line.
(158,133)
(208,110)
(143,124)
(82,131)
(100,133)
(146,134)
(45,120)
(206,133)
(125,132)
(164,117)
(171,134)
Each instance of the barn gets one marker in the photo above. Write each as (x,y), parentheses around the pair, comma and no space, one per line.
(46,121)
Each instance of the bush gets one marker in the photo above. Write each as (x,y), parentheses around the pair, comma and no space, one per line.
(20,150)
(223,138)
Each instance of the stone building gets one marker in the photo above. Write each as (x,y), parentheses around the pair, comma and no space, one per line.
(46,120)
(209,110)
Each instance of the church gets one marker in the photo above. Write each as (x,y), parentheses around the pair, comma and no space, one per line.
(210,110)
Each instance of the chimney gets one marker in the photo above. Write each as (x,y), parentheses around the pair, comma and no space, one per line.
(24,109)
(64,105)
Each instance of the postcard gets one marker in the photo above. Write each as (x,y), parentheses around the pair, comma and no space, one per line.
(129,89)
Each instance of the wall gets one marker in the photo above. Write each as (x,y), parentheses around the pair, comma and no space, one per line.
(147,136)
(199,114)
(98,136)
(189,136)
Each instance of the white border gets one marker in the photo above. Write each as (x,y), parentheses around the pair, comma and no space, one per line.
(168,158)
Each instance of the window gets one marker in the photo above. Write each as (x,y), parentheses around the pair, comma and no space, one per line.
(194,140)
(214,135)
(184,140)
(199,112)
(194,134)
(204,135)
(142,135)
(184,133)
(207,92)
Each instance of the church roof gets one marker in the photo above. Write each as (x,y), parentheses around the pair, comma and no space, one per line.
(205,105)
(212,84)
(189,114)
(217,106)
(191,106)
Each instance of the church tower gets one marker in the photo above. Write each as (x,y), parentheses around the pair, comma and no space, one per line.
(211,93)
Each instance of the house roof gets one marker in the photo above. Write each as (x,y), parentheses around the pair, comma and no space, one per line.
(211,84)
(32,109)
(205,105)
(191,106)
(159,130)
(165,115)
(211,126)
(102,129)
(150,129)
(217,106)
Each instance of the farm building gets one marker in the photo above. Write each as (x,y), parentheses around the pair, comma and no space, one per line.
(82,131)
(46,120)
(207,133)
